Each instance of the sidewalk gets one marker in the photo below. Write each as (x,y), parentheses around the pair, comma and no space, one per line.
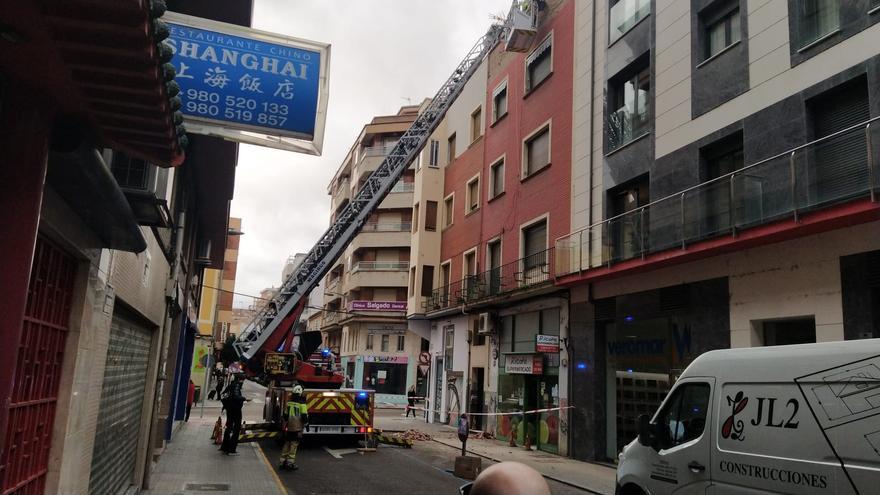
(192,464)
(594,478)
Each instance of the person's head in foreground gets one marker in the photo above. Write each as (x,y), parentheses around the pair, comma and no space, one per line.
(510,478)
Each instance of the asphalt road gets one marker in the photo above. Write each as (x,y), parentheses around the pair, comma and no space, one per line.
(332,467)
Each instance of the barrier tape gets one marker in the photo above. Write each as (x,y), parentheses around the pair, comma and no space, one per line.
(511,413)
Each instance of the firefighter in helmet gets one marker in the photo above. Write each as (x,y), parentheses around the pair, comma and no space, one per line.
(296,416)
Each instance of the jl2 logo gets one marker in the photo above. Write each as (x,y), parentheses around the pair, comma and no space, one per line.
(734,427)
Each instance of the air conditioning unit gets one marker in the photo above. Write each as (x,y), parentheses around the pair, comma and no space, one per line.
(147,187)
(486,325)
(522,25)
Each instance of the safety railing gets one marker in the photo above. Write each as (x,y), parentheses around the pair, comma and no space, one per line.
(387,227)
(524,273)
(380,266)
(624,15)
(837,168)
(403,187)
(377,150)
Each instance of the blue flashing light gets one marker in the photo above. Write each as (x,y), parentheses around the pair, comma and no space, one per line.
(628,318)
(582,365)
(325,352)
(630,370)
(362,394)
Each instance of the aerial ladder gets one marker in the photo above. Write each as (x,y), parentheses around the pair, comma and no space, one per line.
(273,328)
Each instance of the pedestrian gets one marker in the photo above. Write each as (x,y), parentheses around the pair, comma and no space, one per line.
(411,401)
(190,397)
(219,375)
(463,430)
(232,402)
(296,416)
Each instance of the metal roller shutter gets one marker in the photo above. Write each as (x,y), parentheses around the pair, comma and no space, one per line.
(121,408)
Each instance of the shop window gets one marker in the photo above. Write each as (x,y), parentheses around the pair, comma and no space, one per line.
(536,152)
(683,417)
(385,378)
(721,28)
(401,343)
(817,19)
(385,341)
(789,331)
(499,102)
(496,180)
(539,64)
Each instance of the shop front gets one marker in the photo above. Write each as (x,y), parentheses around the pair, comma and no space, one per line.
(528,379)
(386,374)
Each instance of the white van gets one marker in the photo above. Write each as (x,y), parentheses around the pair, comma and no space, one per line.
(789,419)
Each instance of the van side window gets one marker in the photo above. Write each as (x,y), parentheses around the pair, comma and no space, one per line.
(684,417)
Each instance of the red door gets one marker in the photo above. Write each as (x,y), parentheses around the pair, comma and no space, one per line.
(37,372)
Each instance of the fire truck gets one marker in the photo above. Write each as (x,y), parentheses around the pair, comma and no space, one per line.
(333,410)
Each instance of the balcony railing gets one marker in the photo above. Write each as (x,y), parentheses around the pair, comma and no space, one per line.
(403,187)
(377,151)
(625,14)
(834,169)
(524,273)
(331,317)
(380,266)
(387,227)
(626,124)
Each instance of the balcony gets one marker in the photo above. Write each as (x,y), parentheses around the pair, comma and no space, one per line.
(379,235)
(523,274)
(370,160)
(330,318)
(627,123)
(785,196)
(341,194)
(624,15)
(377,274)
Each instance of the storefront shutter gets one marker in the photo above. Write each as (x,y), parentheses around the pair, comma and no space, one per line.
(121,407)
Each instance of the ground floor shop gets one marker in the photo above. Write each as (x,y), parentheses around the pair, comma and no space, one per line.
(633,336)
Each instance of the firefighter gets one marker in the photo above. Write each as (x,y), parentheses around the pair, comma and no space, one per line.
(296,416)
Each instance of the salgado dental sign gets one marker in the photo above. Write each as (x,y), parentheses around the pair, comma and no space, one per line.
(248,85)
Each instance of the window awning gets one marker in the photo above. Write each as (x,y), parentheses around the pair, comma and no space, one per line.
(102,62)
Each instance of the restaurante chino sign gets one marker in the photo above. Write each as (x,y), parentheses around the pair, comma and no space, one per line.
(248,85)
(378,306)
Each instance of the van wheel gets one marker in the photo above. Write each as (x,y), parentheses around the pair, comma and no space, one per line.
(630,489)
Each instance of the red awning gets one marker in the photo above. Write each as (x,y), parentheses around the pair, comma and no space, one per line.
(98,60)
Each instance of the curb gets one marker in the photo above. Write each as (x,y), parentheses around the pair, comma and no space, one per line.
(550,477)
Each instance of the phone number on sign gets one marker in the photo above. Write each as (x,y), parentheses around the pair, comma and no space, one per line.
(235,108)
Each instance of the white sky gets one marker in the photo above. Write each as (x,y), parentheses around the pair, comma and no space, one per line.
(383,52)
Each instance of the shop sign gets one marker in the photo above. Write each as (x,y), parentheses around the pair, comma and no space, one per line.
(523,364)
(387,359)
(547,343)
(378,306)
(250,86)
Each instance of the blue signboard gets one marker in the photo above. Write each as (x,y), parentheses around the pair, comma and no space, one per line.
(246,80)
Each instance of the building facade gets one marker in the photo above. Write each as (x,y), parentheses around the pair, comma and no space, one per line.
(724,192)
(365,292)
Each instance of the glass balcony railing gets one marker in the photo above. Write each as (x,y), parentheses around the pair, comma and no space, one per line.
(524,273)
(624,15)
(831,170)
(626,124)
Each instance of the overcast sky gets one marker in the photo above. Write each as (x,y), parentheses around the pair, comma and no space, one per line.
(384,54)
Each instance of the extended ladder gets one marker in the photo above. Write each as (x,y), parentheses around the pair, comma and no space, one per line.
(285,308)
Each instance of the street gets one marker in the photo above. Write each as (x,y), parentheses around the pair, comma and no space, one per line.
(426,468)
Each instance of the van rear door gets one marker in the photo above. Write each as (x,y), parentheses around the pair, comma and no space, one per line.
(683,441)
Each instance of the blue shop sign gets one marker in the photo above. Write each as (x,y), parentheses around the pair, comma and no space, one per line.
(247,80)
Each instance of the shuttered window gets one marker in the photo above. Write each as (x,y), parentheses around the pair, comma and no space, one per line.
(431,216)
(539,64)
(537,152)
(534,244)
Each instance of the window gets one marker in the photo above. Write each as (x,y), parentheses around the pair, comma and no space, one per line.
(415,219)
(499,102)
(385,339)
(721,159)
(450,149)
(476,124)
(448,346)
(789,331)
(629,100)
(493,261)
(385,378)
(430,216)
(445,278)
(448,204)
(473,194)
(683,417)
(721,30)
(625,14)
(625,233)
(536,152)
(535,245)
(817,18)
(401,342)
(369,341)
(539,64)
(412,280)
(427,280)
(434,157)
(496,180)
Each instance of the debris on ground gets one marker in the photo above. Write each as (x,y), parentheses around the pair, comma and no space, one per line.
(413,435)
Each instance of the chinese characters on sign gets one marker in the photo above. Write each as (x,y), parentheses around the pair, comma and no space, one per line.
(236,79)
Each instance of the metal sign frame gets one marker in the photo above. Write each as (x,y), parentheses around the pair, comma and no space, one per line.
(261,136)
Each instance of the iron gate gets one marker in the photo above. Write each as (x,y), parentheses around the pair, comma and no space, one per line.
(121,408)
(37,371)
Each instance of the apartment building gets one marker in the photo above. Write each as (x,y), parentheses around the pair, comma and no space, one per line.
(505,197)
(365,292)
(724,192)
